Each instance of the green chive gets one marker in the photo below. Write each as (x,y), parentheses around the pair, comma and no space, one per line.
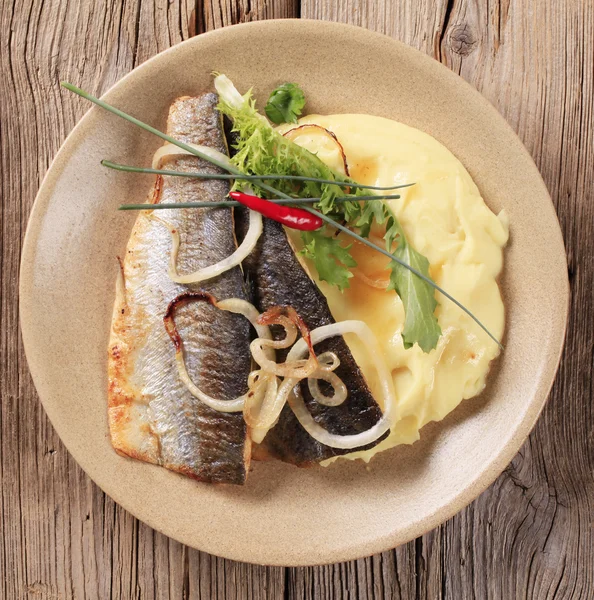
(230,203)
(272,177)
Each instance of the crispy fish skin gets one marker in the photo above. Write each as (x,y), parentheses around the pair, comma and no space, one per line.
(277,278)
(152,415)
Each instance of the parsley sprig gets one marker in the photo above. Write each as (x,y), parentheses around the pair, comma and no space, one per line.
(285,104)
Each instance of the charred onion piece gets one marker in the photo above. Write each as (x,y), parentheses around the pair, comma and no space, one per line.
(331,152)
(287,317)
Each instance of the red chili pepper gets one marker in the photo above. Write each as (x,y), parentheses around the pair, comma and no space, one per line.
(295,218)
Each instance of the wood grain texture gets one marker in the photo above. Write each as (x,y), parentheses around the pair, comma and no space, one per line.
(62,538)
(531,535)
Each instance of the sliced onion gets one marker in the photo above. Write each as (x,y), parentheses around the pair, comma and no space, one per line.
(261,410)
(324,372)
(235,305)
(243,250)
(263,388)
(260,406)
(322,142)
(288,318)
(346,442)
(340,392)
(168,149)
(265,399)
(250,312)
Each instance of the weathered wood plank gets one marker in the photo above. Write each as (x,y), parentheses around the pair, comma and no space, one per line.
(530,535)
(219,13)
(62,538)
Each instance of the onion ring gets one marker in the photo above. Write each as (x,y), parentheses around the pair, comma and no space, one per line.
(325,372)
(287,317)
(243,250)
(346,442)
(167,150)
(261,410)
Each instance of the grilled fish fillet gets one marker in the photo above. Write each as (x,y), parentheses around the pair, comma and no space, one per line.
(152,415)
(277,278)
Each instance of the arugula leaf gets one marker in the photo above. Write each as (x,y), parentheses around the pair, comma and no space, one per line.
(418,297)
(285,104)
(332,261)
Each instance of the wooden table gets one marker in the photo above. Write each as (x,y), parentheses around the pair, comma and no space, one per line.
(530,535)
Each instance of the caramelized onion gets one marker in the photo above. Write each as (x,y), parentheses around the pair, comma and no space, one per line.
(265,399)
(347,442)
(288,318)
(261,410)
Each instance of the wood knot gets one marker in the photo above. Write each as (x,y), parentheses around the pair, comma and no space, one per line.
(462,40)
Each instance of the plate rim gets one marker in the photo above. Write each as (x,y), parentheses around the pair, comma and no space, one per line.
(491,471)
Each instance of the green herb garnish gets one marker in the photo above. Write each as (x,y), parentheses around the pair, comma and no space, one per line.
(327,253)
(242,177)
(285,104)
(417,297)
(261,150)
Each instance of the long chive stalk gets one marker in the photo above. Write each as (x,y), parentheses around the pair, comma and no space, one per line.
(264,186)
(230,203)
(272,177)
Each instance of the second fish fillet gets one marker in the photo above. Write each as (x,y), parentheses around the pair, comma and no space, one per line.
(277,278)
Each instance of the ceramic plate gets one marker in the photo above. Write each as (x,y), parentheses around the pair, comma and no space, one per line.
(284,515)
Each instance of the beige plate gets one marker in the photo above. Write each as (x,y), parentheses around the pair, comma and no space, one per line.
(287,516)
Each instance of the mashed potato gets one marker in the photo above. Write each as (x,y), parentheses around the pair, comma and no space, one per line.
(445,219)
